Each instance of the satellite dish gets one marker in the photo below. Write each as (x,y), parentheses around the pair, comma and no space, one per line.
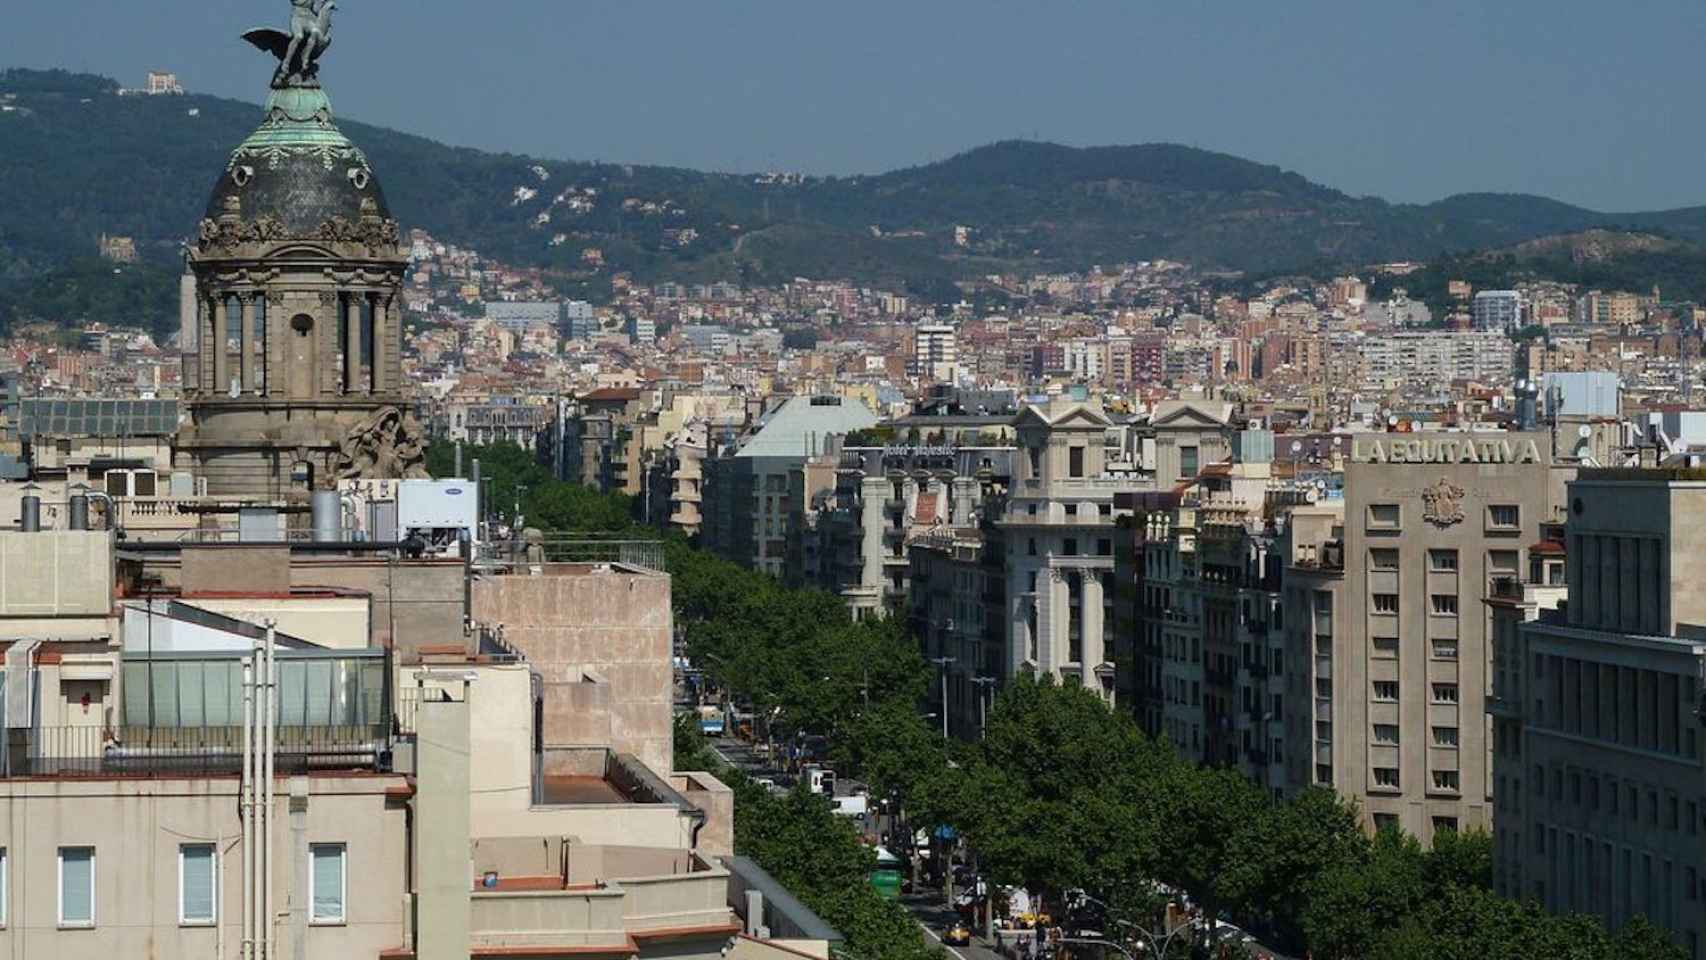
(1584,431)
(1297,446)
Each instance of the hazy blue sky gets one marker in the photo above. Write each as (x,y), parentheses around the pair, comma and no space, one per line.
(1595,103)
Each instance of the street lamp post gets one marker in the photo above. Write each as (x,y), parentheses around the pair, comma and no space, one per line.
(943,663)
(987,683)
(1158,945)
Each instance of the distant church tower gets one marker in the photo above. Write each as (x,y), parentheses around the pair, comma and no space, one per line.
(293,378)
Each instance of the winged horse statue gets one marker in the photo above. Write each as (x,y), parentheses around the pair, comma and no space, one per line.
(298,51)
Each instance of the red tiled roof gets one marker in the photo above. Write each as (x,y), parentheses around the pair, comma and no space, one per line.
(613,393)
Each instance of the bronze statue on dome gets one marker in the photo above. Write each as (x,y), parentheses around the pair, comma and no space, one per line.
(298,51)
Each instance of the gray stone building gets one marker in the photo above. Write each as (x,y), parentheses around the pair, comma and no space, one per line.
(1597,708)
(1059,531)
(746,495)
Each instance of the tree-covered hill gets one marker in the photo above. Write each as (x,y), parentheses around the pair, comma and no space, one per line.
(81,160)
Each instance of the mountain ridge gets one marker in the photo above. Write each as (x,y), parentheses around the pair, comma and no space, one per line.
(89,161)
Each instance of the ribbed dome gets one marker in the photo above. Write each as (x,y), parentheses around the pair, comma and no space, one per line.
(299,173)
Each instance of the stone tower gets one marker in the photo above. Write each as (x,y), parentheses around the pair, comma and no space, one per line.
(293,377)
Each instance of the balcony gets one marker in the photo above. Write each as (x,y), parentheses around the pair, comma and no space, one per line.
(539,895)
(100,751)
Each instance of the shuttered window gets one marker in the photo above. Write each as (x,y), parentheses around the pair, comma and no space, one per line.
(328,882)
(196,870)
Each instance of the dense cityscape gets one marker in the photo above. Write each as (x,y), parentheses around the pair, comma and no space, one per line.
(388,597)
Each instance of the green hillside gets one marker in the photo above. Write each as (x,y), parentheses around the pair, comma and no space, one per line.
(81,160)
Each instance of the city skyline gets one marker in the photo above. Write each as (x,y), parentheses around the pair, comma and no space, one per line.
(1409,105)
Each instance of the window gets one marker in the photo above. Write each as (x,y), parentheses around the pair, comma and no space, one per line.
(1444,604)
(1036,460)
(1386,690)
(1504,516)
(1383,559)
(1502,561)
(1384,515)
(1031,546)
(1075,461)
(76,886)
(1445,649)
(1445,693)
(1070,509)
(1386,603)
(1385,821)
(1445,736)
(1442,561)
(196,871)
(1386,733)
(1104,548)
(1187,461)
(1323,773)
(1445,780)
(1386,648)
(1069,547)
(327,882)
(1386,778)
(1445,825)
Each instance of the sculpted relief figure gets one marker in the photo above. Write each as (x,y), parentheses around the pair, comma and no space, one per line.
(388,445)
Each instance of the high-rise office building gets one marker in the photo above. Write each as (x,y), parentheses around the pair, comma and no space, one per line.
(935,351)
(1496,310)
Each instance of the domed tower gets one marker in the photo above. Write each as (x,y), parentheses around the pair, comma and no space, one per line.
(294,377)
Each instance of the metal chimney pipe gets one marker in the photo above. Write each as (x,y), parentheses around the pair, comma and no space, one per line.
(79,508)
(458,471)
(29,519)
(326,508)
(479,502)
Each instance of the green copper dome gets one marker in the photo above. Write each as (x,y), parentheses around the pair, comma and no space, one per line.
(299,171)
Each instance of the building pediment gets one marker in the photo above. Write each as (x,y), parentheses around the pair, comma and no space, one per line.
(1080,416)
(1188,416)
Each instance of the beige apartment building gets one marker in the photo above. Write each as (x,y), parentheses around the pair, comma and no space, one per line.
(1599,708)
(439,793)
(1400,672)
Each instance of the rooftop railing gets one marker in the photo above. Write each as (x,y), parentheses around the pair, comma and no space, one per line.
(517,554)
(100,751)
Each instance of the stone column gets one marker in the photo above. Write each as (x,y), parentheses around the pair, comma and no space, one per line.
(245,342)
(1090,622)
(352,342)
(381,336)
(394,343)
(221,345)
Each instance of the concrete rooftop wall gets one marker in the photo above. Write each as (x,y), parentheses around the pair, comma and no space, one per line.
(600,641)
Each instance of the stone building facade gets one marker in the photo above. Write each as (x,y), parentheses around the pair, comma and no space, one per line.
(295,379)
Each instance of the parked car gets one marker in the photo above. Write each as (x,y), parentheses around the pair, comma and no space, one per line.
(958,935)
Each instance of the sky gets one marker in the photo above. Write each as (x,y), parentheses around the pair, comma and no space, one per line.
(1593,103)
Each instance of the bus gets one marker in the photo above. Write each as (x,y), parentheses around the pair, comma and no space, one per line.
(711,721)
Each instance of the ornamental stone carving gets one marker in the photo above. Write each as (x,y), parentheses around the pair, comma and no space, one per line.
(387,445)
(228,232)
(1442,503)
